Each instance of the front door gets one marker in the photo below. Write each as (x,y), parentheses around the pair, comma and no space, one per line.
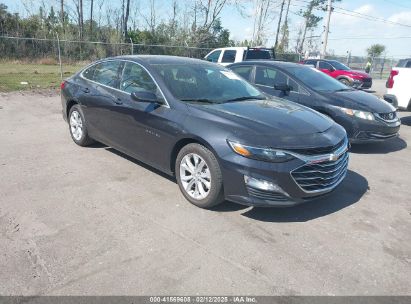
(147,129)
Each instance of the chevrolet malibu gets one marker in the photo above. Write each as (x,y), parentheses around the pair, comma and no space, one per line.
(217,134)
(365,117)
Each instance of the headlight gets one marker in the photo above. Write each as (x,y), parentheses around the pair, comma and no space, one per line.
(264,154)
(358,113)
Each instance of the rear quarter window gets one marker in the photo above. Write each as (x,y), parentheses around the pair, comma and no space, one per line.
(257,54)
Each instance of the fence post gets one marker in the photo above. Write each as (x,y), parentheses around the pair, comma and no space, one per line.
(58,47)
(132,46)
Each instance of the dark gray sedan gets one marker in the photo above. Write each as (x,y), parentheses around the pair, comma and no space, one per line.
(221,137)
(365,117)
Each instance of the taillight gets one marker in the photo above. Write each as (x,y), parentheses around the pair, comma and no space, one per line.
(62,85)
(390,80)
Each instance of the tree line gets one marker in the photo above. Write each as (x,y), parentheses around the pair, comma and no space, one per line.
(195,23)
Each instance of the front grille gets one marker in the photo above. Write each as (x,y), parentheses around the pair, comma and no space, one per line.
(266,195)
(317,177)
(320,150)
(387,116)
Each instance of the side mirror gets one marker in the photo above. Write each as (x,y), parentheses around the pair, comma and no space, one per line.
(282,87)
(144,96)
(331,69)
(209,59)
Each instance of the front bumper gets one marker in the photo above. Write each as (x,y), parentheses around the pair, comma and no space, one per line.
(366,131)
(290,190)
(365,83)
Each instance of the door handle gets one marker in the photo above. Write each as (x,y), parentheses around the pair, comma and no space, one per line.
(86,90)
(118,101)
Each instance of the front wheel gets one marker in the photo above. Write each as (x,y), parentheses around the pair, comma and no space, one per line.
(199,176)
(345,81)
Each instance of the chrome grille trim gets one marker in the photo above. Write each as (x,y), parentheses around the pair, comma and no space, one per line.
(322,174)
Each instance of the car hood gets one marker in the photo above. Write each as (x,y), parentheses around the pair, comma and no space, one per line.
(276,123)
(359,100)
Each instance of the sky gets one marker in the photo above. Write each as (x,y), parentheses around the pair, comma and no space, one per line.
(347,33)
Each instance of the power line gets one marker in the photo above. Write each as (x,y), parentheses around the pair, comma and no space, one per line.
(365,38)
(368,17)
(355,14)
(395,3)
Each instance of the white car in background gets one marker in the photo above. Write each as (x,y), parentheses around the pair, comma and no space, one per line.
(228,55)
(399,85)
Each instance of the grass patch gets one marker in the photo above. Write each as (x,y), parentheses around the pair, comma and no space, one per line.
(37,76)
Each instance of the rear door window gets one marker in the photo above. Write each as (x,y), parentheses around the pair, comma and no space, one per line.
(107,73)
(243,71)
(229,56)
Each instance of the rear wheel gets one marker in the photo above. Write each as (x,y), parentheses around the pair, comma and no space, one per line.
(77,127)
(199,176)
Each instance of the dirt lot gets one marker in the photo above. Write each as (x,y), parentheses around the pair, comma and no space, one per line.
(92,221)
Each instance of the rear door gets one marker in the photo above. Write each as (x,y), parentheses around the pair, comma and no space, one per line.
(266,77)
(99,97)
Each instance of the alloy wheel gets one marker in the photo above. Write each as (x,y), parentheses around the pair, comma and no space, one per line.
(195,176)
(76,125)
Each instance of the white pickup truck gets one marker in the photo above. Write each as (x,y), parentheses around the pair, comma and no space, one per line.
(229,55)
(399,85)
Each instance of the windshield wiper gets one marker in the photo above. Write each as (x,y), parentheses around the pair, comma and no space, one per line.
(245,98)
(202,100)
(344,89)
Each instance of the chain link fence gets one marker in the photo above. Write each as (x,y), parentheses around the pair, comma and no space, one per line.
(30,63)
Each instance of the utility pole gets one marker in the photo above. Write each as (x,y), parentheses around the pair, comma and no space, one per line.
(279,24)
(327,28)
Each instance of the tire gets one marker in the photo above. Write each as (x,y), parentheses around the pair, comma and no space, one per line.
(78,127)
(200,173)
(345,81)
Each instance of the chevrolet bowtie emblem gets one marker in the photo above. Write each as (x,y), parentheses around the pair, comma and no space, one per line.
(334,157)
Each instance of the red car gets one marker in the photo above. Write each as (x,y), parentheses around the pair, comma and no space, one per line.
(341,72)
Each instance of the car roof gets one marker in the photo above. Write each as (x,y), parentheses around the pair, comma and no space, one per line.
(161,59)
(278,64)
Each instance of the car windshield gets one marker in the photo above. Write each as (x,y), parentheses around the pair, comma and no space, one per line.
(257,54)
(339,66)
(206,83)
(316,79)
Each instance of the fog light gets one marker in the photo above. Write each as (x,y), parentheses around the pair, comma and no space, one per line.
(262,184)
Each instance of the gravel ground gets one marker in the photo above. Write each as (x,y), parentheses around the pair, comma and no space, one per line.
(91,221)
